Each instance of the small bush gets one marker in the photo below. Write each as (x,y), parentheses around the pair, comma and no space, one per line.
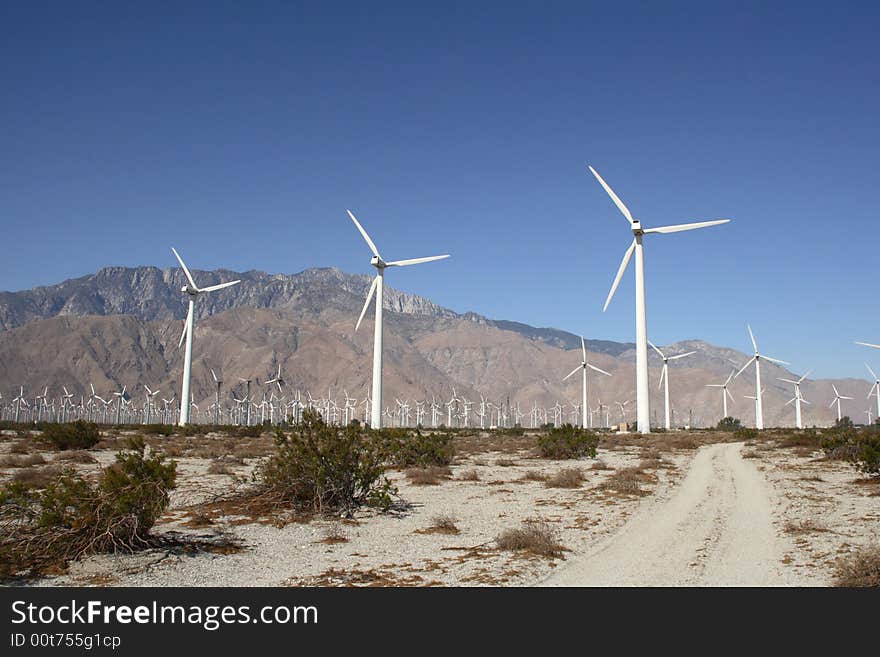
(325,469)
(745,433)
(76,456)
(158,429)
(42,530)
(860,447)
(567,478)
(442,524)
(862,568)
(469,475)
(534,536)
(534,475)
(406,449)
(729,424)
(25,461)
(72,435)
(627,481)
(430,476)
(568,442)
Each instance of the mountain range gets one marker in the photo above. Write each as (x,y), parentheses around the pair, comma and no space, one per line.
(121,326)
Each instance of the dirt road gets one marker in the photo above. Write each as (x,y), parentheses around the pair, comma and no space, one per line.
(715,530)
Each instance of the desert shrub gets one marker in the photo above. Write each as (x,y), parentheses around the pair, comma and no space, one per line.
(627,481)
(862,568)
(534,536)
(42,530)
(566,478)
(469,475)
(25,461)
(443,524)
(406,448)
(568,442)
(72,435)
(745,433)
(76,456)
(729,424)
(325,469)
(158,429)
(843,423)
(534,475)
(860,447)
(429,476)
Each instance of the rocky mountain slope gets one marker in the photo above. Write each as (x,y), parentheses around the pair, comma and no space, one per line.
(121,326)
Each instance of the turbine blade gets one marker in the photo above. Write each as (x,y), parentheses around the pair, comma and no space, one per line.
(185,270)
(775,360)
(662,374)
(185,326)
(214,375)
(623,265)
(593,367)
(680,227)
(871,371)
(365,236)
(573,372)
(752,336)
(367,302)
(656,349)
(682,355)
(868,344)
(584,348)
(212,288)
(614,197)
(414,261)
(729,395)
(801,380)
(749,362)
(835,390)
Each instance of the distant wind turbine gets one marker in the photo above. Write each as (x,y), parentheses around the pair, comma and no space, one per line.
(376,288)
(642,393)
(193,291)
(875,389)
(797,399)
(836,400)
(664,375)
(583,367)
(725,393)
(759,391)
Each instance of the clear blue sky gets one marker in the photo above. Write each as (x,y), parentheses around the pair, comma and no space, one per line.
(240,132)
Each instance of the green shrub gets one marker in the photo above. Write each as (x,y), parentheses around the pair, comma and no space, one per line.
(407,449)
(158,429)
(745,433)
(729,424)
(42,530)
(72,435)
(325,469)
(859,447)
(568,442)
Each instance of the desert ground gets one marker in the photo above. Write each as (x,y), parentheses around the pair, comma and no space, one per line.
(670,509)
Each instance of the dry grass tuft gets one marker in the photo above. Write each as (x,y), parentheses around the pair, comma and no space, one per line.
(627,481)
(219,467)
(26,461)
(430,476)
(861,568)
(534,537)
(566,478)
(505,463)
(805,527)
(534,475)
(76,456)
(600,465)
(38,477)
(334,534)
(441,524)
(469,475)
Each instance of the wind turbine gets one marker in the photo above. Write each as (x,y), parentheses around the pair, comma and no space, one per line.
(836,400)
(376,288)
(642,395)
(583,367)
(150,395)
(725,393)
(664,375)
(875,389)
(759,392)
(797,399)
(193,291)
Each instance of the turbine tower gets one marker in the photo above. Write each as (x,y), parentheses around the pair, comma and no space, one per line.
(193,291)
(664,375)
(219,382)
(583,367)
(875,389)
(376,288)
(642,394)
(759,392)
(725,393)
(797,399)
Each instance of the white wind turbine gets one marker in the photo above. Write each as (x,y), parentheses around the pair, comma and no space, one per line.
(725,393)
(193,291)
(583,367)
(664,375)
(797,399)
(759,392)
(875,389)
(376,288)
(151,394)
(642,395)
(836,400)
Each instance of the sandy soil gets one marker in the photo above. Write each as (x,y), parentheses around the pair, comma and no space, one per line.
(723,514)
